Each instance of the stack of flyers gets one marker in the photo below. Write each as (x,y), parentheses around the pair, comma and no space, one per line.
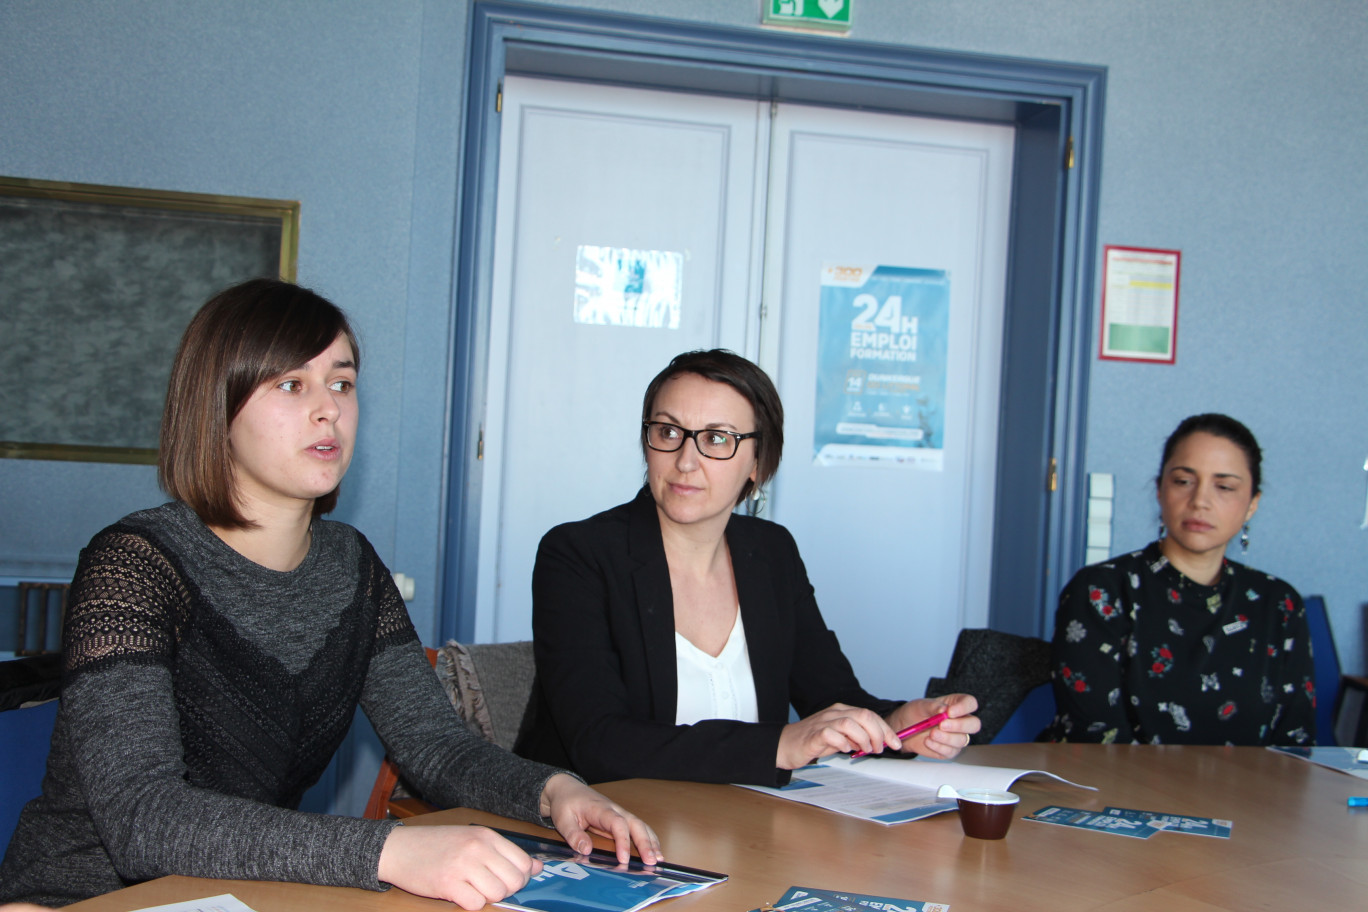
(808,899)
(1133,823)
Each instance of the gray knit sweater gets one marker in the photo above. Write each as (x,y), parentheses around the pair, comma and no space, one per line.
(203,694)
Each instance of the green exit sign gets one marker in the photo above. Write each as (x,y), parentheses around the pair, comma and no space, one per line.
(824,14)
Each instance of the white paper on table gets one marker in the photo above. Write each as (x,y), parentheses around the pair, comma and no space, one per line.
(890,791)
(225,902)
(935,773)
(1349,760)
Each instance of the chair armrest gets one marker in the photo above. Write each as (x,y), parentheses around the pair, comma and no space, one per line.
(402,808)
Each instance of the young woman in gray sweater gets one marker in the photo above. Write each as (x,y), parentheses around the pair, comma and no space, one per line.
(216,648)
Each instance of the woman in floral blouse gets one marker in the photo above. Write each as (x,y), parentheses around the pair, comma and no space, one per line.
(1175,644)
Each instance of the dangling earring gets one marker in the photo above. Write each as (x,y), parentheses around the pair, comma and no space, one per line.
(1244,540)
(755,504)
(1162,531)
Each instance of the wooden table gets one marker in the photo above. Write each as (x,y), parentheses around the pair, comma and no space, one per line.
(1295,845)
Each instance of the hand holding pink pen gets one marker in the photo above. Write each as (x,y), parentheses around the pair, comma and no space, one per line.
(923,725)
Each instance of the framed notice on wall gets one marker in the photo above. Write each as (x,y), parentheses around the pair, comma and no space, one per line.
(1140,304)
(96,286)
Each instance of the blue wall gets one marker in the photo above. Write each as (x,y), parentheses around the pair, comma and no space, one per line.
(318,102)
(1234,132)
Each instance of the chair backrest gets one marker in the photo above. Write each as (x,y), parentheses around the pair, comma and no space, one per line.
(490,685)
(28,710)
(1031,718)
(1327,668)
(999,669)
(25,734)
(1351,713)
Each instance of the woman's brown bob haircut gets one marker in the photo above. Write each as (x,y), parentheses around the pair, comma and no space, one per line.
(242,337)
(754,385)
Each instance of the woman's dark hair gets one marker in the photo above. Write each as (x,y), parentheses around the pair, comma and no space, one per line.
(242,337)
(754,385)
(1217,426)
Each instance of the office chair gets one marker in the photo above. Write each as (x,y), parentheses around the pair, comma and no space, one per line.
(1001,670)
(28,710)
(1031,717)
(1326,668)
(490,684)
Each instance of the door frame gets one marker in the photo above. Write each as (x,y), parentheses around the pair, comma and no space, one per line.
(1057,109)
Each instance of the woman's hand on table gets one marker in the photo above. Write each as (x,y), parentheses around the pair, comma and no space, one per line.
(833,730)
(948,738)
(578,810)
(467,865)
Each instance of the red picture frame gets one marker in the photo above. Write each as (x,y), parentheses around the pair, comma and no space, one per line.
(1139,304)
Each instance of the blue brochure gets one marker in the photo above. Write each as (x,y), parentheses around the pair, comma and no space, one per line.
(596,882)
(1093,820)
(1176,823)
(807,899)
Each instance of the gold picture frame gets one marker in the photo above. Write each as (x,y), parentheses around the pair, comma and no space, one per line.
(97,284)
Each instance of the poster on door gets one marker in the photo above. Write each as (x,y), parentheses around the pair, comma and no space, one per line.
(883,339)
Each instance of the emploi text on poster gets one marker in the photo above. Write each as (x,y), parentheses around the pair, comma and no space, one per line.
(881,367)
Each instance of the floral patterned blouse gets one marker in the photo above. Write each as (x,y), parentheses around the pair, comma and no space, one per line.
(1142,653)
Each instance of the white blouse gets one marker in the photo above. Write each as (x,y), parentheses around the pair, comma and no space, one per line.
(715,688)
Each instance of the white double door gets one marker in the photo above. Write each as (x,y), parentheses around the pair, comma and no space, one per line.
(633,225)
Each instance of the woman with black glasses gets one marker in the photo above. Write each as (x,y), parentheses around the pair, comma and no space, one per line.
(672,634)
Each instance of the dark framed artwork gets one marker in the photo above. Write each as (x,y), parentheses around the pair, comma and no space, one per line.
(97,285)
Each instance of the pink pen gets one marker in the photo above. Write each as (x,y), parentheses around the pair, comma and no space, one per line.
(923,725)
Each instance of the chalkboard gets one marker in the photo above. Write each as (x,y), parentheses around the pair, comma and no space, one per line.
(96,286)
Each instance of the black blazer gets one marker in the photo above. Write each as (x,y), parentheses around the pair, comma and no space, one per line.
(603,631)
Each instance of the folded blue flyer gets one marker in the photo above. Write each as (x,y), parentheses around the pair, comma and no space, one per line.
(570,882)
(807,899)
(1176,823)
(1093,820)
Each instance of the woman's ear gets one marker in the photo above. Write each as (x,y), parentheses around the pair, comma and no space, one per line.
(1253,508)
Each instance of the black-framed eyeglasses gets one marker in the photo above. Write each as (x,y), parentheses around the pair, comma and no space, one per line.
(713,443)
